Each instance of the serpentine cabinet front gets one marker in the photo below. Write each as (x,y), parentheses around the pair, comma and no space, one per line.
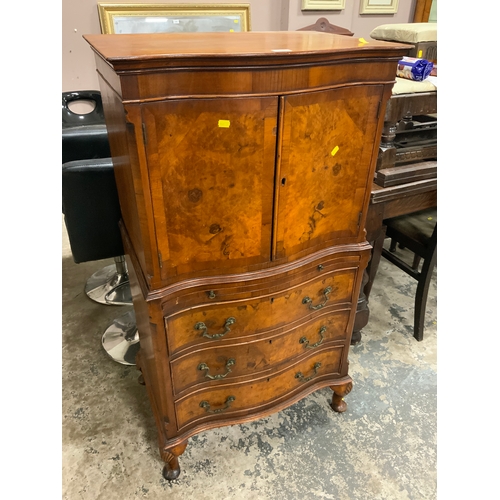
(244,182)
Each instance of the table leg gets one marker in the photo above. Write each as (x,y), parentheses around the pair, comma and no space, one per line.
(372,268)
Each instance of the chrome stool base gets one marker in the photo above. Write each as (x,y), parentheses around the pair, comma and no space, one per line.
(110,285)
(121,339)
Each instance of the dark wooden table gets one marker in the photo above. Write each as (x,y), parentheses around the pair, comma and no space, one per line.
(385,203)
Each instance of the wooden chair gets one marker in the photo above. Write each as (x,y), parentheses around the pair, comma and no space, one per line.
(418,233)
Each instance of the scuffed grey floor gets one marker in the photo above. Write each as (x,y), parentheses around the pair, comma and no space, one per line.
(382,447)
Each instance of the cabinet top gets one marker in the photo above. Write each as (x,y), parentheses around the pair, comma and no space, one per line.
(141,51)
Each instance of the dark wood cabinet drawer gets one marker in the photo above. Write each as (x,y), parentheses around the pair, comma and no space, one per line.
(244,359)
(233,400)
(208,325)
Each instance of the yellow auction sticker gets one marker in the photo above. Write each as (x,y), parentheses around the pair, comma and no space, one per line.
(224,123)
(335,150)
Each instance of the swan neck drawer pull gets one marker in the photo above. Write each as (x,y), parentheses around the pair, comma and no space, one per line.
(301,377)
(206,405)
(326,292)
(201,326)
(304,340)
(204,366)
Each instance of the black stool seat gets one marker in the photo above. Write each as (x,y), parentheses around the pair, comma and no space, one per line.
(91,209)
(418,233)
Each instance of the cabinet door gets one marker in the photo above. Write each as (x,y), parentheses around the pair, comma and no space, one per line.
(328,145)
(211,166)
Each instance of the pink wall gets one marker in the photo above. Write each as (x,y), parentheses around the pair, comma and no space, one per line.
(360,25)
(79,17)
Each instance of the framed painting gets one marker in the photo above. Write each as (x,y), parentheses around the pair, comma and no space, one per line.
(323,4)
(378,6)
(172,18)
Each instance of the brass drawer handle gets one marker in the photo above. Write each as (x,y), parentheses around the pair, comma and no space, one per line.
(304,340)
(307,300)
(201,326)
(206,405)
(204,366)
(301,377)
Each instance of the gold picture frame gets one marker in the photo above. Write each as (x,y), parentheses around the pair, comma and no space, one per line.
(323,5)
(165,18)
(378,6)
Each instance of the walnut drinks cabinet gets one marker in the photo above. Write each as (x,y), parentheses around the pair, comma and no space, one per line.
(244,163)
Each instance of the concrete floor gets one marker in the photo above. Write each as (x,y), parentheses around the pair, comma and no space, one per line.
(382,447)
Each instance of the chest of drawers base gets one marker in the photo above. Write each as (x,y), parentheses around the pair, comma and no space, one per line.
(230,349)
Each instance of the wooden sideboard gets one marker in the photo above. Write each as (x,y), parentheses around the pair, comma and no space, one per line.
(244,164)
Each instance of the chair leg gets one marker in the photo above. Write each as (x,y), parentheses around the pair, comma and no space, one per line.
(421,296)
(110,285)
(416,262)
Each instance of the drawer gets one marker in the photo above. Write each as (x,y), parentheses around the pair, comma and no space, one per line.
(239,399)
(211,324)
(241,359)
(193,293)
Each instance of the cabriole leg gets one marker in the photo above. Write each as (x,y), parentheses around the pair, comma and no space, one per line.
(170,456)
(339,391)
